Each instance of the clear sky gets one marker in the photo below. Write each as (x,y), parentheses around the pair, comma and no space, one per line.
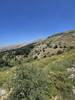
(28,20)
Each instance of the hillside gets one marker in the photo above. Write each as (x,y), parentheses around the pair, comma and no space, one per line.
(42,70)
(55,44)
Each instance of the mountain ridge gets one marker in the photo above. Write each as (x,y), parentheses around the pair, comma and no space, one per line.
(16,46)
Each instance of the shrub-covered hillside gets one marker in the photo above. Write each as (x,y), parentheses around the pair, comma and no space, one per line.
(43,70)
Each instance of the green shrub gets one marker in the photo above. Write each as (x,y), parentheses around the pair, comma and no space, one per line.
(30,83)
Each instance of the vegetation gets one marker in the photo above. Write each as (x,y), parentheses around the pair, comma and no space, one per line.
(44,70)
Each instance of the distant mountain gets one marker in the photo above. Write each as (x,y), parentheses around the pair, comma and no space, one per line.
(11,47)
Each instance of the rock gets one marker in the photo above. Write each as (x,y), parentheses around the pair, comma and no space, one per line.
(54,46)
(2,92)
(72,76)
(59,51)
(35,56)
(73,89)
(71,70)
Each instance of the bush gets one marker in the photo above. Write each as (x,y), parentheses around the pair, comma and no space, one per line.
(3,63)
(30,83)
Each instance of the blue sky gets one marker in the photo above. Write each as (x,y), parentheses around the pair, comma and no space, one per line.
(28,20)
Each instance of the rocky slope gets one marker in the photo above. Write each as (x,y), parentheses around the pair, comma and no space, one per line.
(54,45)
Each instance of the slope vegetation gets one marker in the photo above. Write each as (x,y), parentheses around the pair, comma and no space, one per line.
(44,70)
